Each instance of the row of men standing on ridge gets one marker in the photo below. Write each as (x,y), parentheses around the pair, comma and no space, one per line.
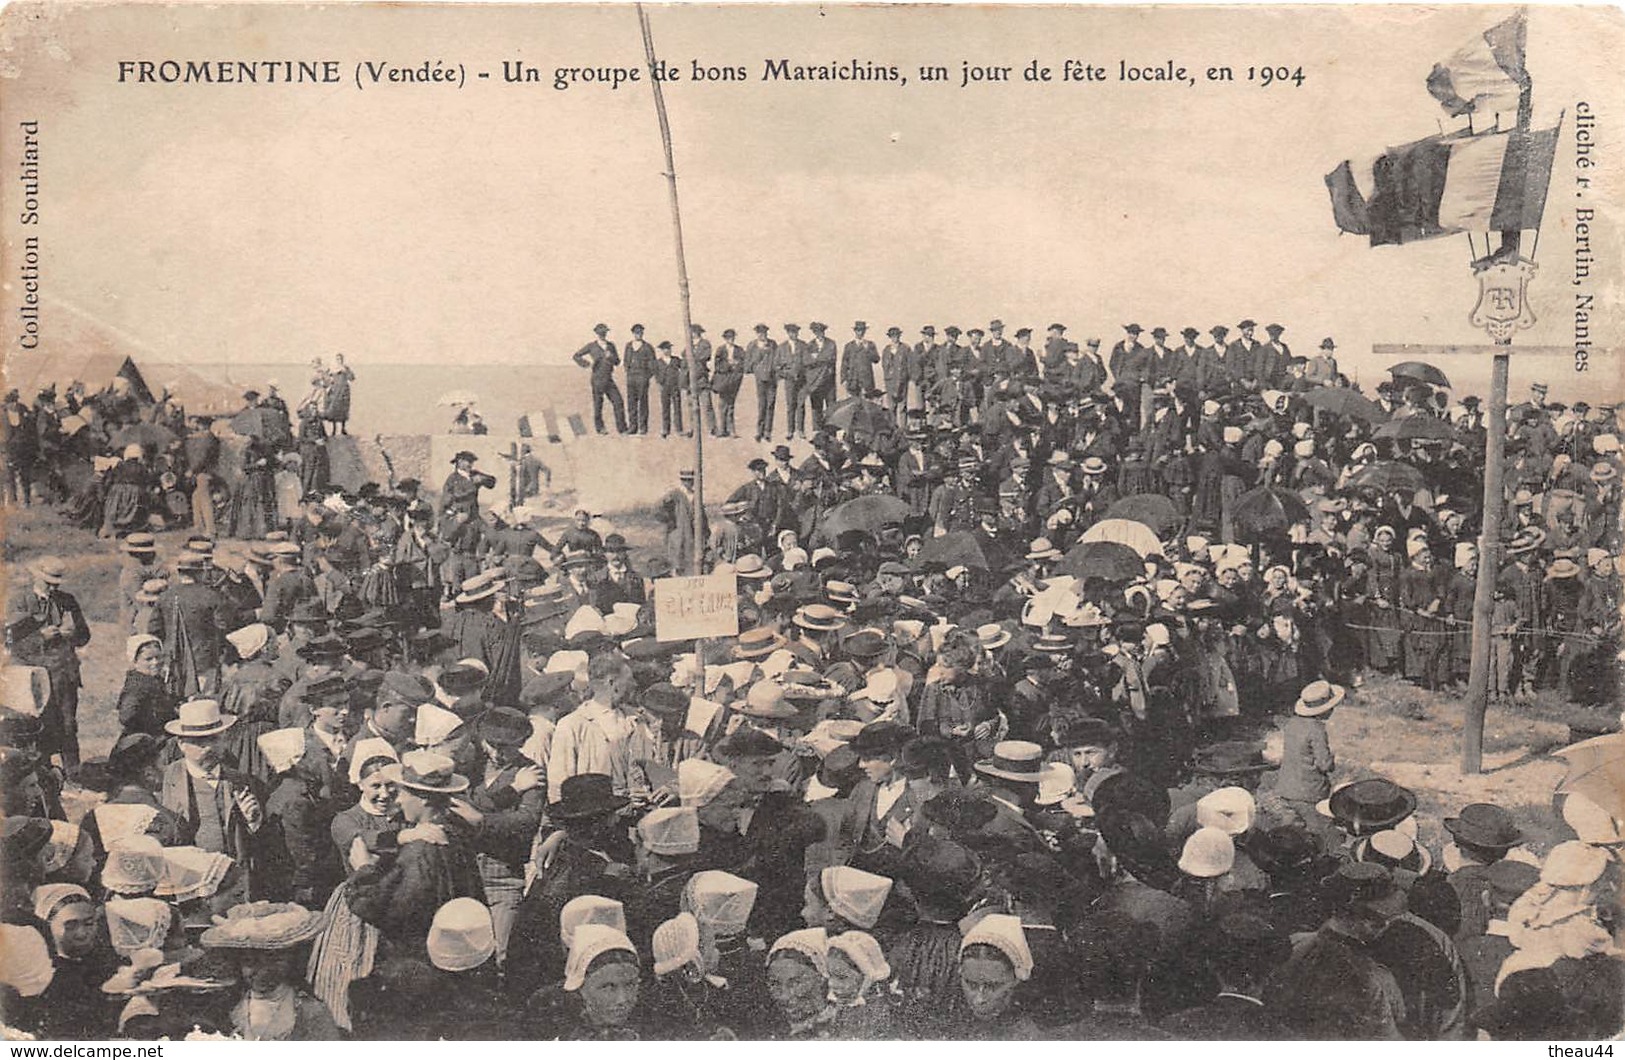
(910,375)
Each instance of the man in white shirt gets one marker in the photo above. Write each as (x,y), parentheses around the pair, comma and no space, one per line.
(593,737)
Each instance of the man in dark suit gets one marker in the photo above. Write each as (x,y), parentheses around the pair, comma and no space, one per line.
(1125,348)
(882,806)
(928,351)
(223,808)
(820,378)
(511,796)
(459,494)
(288,586)
(600,356)
(196,619)
(1020,360)
(1130,365)
(640,371)
(45,627)
(672,376)
(1166,364)
(702,395)
(1241,356)
(1205,372)
(1271,361)
(1083,369)
(302,860)
(1056,347)
(858,362)
(620,583)
(790,370)
(759,358)
(727,375)
(896,362)
(997,349)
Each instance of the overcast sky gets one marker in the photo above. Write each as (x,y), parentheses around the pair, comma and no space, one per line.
(499,222)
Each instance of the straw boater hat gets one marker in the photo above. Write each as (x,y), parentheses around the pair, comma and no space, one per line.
(139,545)
(199,718)
(427,771)
(50,570)
(992,636)
(751,566)
(263,926)
(480,587)
(766,699)
(1016,760)
(819,617)
(1041,549)
(1318,698)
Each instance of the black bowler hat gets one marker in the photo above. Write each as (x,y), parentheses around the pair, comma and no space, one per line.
(749,742)
(586,795)
(881,738)
(1369,806)
(328,647)
(1232,757)
(1482,824)
(504,727)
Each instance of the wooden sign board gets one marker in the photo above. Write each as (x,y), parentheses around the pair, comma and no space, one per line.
(703,606)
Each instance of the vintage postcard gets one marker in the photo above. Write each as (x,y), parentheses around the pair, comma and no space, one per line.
(811,521)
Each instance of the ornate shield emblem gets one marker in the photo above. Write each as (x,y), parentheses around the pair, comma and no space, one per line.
(1503,302)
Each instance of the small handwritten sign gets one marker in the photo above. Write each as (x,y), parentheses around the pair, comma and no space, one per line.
(703,606)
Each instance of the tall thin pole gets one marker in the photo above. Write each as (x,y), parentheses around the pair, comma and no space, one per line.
(682,292)
(1489,539)
(1489,565)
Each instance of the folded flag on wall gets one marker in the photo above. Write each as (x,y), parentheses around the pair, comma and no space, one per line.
(1484,76)
(1442,185)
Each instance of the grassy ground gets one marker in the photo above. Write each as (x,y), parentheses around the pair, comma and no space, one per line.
(1390,728)
(1386,727)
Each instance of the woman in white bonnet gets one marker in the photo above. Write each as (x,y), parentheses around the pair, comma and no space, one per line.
(145,703)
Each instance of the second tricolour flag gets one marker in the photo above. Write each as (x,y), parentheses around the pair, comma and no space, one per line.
(1443,185)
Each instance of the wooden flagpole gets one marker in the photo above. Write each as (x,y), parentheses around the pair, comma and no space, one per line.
(1489,539)
(682,291)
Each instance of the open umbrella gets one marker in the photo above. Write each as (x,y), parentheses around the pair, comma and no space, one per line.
(452,399)
(1152,509)
(1135,535)
(1102,559)
(1390,476)
(149,435)
(1342,401)
(1268,510)
(958,549)
(860,416)
(1417,428)
(1597,771)
(869,512)
(1420,371)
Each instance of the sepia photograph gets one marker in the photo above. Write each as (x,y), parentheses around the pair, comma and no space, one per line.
(806,522)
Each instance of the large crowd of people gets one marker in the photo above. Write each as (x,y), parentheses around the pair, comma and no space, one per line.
(1023,733)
